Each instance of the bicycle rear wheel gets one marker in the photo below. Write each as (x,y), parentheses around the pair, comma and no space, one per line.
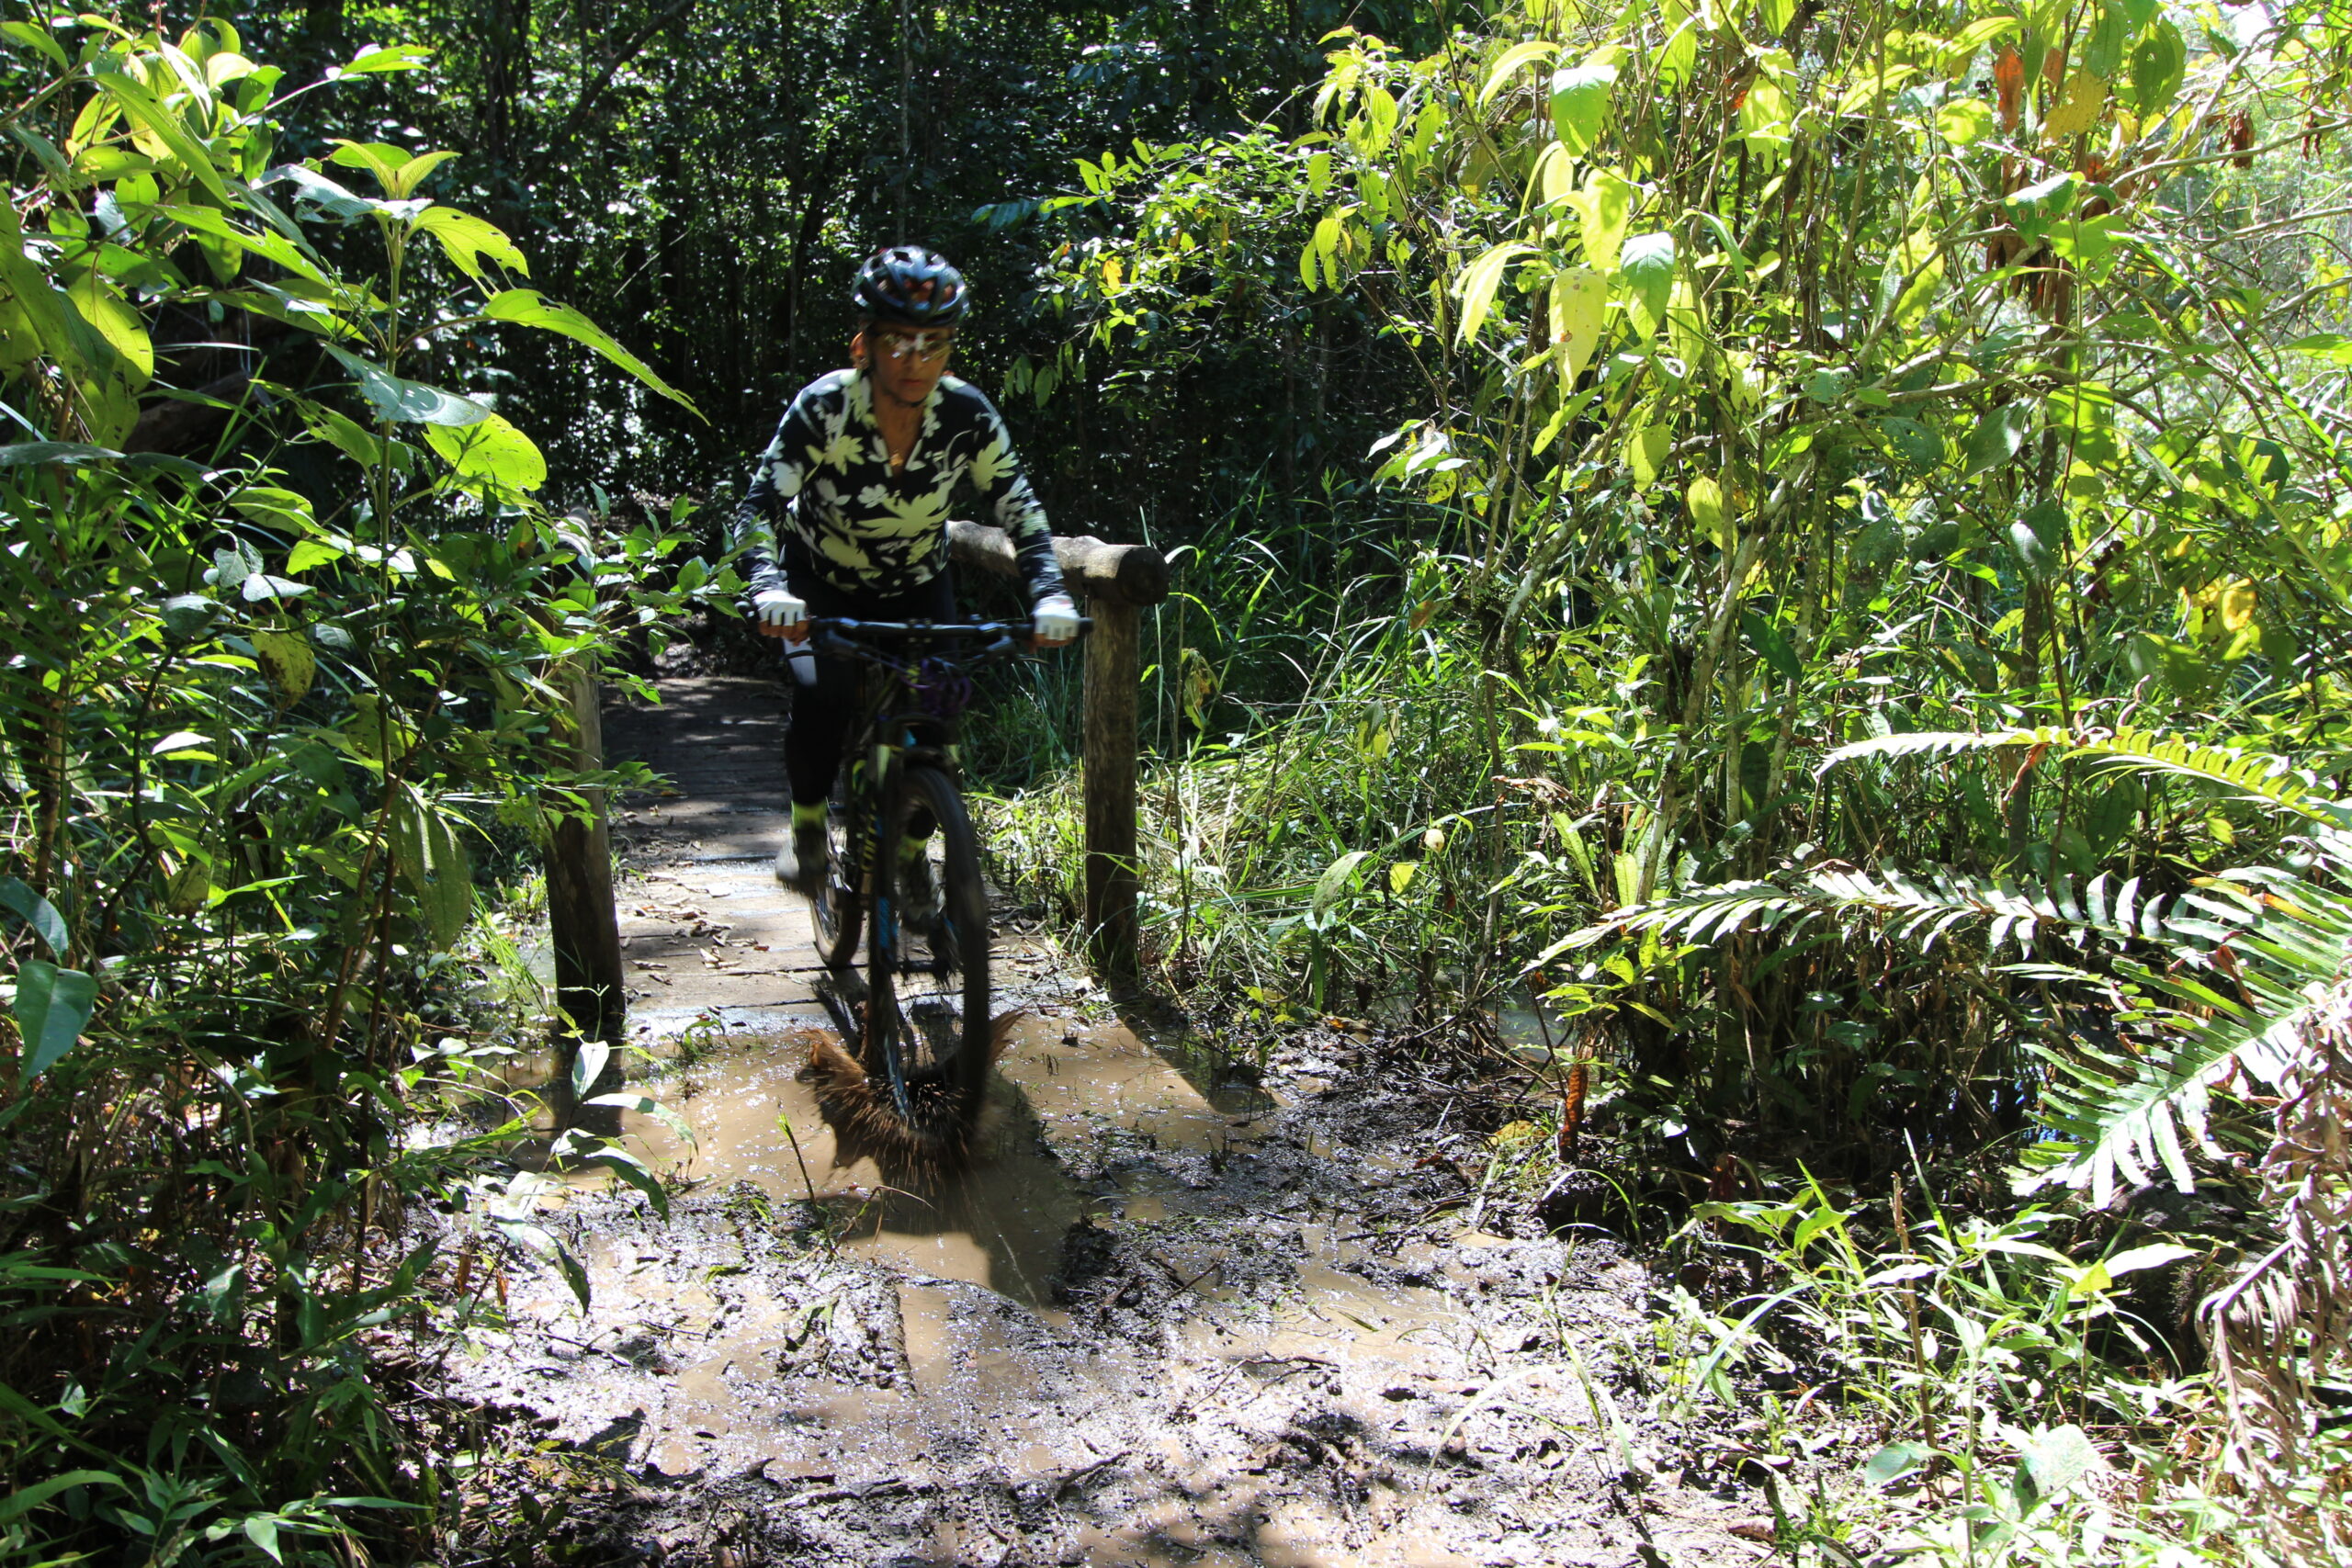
(927,1010)
(834,909)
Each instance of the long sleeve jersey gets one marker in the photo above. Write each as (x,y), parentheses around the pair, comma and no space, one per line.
(827,477)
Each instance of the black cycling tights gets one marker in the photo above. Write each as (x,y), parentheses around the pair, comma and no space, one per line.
(821,714)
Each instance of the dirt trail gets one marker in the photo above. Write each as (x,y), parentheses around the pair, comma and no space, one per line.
(1166,1319)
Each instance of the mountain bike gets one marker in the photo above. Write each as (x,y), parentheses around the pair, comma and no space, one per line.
(923,1037)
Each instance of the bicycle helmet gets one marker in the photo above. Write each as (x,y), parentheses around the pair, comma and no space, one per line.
(909,287)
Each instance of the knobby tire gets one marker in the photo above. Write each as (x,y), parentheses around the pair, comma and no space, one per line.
(927,1005)
(836,910)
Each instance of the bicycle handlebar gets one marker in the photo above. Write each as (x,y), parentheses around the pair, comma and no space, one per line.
(841,634)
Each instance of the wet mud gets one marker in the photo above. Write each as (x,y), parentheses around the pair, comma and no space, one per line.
(1168,1316)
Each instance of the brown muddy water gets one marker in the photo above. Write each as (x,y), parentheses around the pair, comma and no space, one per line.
(1171,1314)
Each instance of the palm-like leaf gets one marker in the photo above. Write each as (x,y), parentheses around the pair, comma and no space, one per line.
(2246,955)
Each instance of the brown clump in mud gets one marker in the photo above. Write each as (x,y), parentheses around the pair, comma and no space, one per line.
(865,1117)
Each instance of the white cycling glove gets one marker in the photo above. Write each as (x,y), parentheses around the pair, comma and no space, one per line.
(778,608)
(1054,621)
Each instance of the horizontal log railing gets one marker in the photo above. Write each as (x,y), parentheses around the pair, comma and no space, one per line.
(1118,583)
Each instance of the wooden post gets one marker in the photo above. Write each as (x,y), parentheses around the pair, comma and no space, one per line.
(1118,583)
(1113,667)
(585,931)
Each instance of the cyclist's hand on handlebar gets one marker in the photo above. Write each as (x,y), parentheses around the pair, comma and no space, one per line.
(782,612)
(1054,622)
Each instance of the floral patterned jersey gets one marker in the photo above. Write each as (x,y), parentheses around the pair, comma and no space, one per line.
(827,477)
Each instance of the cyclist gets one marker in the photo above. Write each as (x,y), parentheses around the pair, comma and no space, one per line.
(847,515)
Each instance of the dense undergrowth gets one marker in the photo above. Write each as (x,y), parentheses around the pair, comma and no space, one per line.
(286,679)
(1853,620)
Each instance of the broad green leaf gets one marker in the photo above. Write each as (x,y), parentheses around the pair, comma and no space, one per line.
(529,307)
(1579,312)
(356,442)
(314,189)
(2159,62)
(282,509)
(1604,211)
(122,327)
(2334,347)
(34,1493)
(1964,122)
(1580,104)
(2043,201)
(588,1066)
(288,659)
(307,553)
(67,452)
(631,1170)
(1647,264)
(2058,1459)
(382,58)
(1914,272)
(380,159)
(2156,1254)
(35,911)
(262,1530)
(1771,646)
(429,857)
(493,451)
(466,239)
(1895,1461)
(1997,438)
(1514,59)
(1973,39)
(412,401)
(1645,452)
(1478,283)
(37,39)
(1335,878)
(1709,517)
(54,1006)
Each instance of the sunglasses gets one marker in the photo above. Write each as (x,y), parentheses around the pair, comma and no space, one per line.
(926,346)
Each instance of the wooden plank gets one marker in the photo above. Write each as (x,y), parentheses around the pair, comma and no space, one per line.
(592,1001)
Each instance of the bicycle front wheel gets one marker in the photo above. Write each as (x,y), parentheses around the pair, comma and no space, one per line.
(928,960)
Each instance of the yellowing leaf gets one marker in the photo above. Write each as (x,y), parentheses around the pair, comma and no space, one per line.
(1400,874)
(287,659)
(1480,281)
(2237,602)
(1114,273)
(2077,108)
(1580,308)
(1705,501)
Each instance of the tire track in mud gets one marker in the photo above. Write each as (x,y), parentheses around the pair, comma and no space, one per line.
(1164,1319)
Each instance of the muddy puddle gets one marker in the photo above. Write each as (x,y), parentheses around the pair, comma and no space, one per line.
(1168,1316)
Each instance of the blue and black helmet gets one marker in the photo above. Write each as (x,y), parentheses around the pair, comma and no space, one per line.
(909,287)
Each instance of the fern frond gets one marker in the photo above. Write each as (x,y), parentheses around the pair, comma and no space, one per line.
(1944,743)
(2259,777)
(2124,1116)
